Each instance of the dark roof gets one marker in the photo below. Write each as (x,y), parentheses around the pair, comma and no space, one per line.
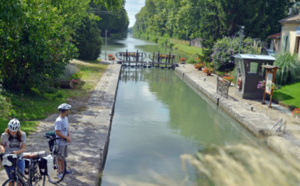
(277,35)
(291,19)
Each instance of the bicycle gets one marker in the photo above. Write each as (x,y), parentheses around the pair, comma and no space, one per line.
(34,176)
(59,162)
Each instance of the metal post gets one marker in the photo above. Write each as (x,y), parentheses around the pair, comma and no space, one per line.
(241,34)
(105,43)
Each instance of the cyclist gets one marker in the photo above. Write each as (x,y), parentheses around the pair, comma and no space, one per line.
(13,141)
(62,131)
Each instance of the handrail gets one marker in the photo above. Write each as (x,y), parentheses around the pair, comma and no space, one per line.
(281,123)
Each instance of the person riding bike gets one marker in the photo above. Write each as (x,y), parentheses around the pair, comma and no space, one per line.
(62,131)
(13,141)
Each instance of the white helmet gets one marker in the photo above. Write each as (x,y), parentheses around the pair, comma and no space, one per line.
(14,125)
(64,106)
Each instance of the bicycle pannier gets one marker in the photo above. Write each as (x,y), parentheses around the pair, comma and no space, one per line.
(46,165)
(27,162)
(9,160)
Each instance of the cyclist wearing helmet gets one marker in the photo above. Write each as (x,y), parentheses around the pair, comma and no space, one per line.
(13,141)
(62,130)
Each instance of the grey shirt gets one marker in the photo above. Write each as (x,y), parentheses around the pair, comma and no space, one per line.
(62,124)
(11,143)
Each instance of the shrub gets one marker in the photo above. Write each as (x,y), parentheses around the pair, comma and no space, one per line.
(225,49)
(191,60)
(88,40)
(68,72)
(289,68)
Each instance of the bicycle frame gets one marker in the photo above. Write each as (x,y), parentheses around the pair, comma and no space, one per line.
(34,176)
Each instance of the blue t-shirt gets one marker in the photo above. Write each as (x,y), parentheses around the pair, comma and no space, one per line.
(62,124)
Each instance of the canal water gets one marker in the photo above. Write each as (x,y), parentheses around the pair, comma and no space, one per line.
(132,45)
(158,118)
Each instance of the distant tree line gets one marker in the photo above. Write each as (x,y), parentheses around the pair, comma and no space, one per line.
(39,37)
(210,19)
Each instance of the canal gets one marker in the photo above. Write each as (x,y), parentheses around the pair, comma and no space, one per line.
(158,118)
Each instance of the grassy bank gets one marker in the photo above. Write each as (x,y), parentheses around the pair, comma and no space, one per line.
(288,95)
(184,47)
(35,106)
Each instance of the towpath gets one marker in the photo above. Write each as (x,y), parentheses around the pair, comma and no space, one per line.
(253,115)
(90,133)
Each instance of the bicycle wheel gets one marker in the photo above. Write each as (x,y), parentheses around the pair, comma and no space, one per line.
(6,183)
(59,169)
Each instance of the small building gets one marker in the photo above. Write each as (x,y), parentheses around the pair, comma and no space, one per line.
(275,42)
(290,34)
(250,72)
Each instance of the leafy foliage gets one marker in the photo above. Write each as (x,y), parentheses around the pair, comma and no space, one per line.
(88,40)
(225,49)
(115,20)
(289,68)
(210,19)
(36,40)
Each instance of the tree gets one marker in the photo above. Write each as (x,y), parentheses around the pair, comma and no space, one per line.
(88,40)
(35,45)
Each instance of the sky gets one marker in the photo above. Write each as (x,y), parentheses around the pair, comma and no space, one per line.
(133,7)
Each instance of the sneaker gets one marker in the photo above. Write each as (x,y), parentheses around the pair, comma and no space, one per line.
(59,175)
(68,172)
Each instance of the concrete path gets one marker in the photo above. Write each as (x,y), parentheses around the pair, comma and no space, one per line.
(253,115)
(89,131)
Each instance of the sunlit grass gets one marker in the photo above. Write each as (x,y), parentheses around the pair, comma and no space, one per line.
(243,165)
(289,94)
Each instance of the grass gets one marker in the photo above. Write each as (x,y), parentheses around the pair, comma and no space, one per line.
(35,106)
(288,95)
(184,47)
(243,165)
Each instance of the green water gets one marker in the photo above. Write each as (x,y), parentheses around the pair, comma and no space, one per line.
(158,118)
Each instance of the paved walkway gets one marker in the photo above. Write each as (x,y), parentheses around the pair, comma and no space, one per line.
(89,131)
(258,121)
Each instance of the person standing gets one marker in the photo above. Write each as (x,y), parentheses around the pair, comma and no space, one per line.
(13,141)
(62,131)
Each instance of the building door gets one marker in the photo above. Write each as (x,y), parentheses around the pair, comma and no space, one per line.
(297,43)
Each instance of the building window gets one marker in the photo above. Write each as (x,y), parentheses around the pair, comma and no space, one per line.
(286,48)
(297,45)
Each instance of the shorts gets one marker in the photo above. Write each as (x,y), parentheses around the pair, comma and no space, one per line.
(10,170)
(63,151)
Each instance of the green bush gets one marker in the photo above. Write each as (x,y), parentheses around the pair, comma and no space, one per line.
(225,49)
(88,40)
(69,71)
(191,61)
(289,68)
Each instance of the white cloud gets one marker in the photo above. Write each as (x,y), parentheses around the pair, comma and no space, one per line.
(133,7)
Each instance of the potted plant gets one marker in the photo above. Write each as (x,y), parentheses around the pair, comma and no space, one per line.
(199,66)
(182,60)
(110,57)
(228,77)
(75,80)
(296,112)
(261,85)
(208,70)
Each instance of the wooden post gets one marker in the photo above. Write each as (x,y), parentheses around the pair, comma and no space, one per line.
(269,80)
